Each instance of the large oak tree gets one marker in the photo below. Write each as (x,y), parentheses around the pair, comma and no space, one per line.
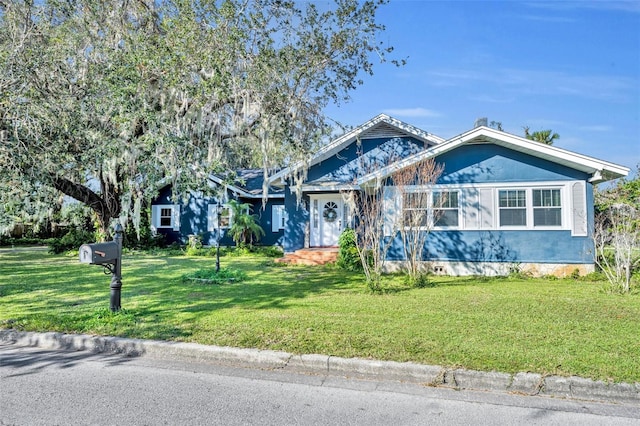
(102,100)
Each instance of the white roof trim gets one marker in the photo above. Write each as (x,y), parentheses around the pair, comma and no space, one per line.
(339,143)
(241,191)
(600,170)
(321,188)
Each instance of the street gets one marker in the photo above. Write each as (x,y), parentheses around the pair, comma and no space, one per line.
(45,387)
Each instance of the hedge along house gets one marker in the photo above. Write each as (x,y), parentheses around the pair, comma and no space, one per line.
(512,201)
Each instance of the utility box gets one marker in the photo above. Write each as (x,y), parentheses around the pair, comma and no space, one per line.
(99,253)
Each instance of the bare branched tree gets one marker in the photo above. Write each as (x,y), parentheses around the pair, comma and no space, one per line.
(421,210)
(369,210)
(617,242)
(399,204)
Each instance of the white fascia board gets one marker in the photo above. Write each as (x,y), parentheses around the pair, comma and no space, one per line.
(337,188)
(339,143)
(230,187)
(600,170)
(241,191)
(554,154)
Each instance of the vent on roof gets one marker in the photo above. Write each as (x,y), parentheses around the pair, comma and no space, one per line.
(482,121)
(382,131)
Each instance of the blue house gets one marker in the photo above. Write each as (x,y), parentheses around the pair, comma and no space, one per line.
(511,201)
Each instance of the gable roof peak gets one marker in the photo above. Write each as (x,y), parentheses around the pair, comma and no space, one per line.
(380,120)
(598,169)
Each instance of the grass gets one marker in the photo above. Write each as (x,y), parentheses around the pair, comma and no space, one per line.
(565,327)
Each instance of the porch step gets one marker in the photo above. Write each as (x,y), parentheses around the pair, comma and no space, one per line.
(310,256)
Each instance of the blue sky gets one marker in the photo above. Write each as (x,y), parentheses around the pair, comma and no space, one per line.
(570,66)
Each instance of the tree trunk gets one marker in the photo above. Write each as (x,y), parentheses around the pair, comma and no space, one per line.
(106,206)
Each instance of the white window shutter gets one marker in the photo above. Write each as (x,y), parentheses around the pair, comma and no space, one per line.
(579,205)
(212,217)
(486,206)
(176,217)
(470,205)
(277,215)
(275,218)
(155,218)
(392,208)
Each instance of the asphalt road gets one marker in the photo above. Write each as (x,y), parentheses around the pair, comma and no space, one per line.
(45,387)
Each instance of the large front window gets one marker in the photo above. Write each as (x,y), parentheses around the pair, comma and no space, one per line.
(446,208)
(415,209)
(421,209)
(513,207)
(547,209)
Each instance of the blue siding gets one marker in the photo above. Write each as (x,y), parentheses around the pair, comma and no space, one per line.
(194,220)
(488,163)
(511,246)
(346,165)
(502,246)
(298,213)
(467,164)
(265,218)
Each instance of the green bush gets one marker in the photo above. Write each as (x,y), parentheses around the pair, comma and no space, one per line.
(348,257)
(210,276)
(422,280)
(6,240)
(72,240)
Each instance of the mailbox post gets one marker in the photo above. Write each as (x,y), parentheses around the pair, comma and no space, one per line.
(116,274)
(108,255)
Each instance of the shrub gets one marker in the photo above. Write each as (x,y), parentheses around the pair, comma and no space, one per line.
(421,280)
(245,229)
(194,246)
(348,257)
(210,276)
(72,240)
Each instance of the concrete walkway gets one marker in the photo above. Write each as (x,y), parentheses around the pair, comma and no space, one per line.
(520,383)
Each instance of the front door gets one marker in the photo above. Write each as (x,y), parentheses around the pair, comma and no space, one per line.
(327,218)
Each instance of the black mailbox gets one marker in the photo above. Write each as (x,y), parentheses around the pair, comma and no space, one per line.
(99,253)
(110,256)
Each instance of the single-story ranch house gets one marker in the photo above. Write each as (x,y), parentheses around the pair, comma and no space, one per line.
(510,201)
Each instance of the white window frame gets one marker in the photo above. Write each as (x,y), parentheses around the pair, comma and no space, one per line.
(512,208)
(457,208)
(479,205)
(174,223)
(429,194)
(212,216)
(528,188)
(542,207)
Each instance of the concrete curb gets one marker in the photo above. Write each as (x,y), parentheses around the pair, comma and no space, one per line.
(520,383)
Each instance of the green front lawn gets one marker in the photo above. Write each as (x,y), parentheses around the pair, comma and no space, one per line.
(545,326)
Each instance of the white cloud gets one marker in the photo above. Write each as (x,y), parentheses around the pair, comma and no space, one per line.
(513,81)
(545,18)
(492,99)
(412,112)
(568,6)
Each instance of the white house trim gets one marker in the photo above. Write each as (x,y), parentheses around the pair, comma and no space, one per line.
(239,191)
(332,188)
